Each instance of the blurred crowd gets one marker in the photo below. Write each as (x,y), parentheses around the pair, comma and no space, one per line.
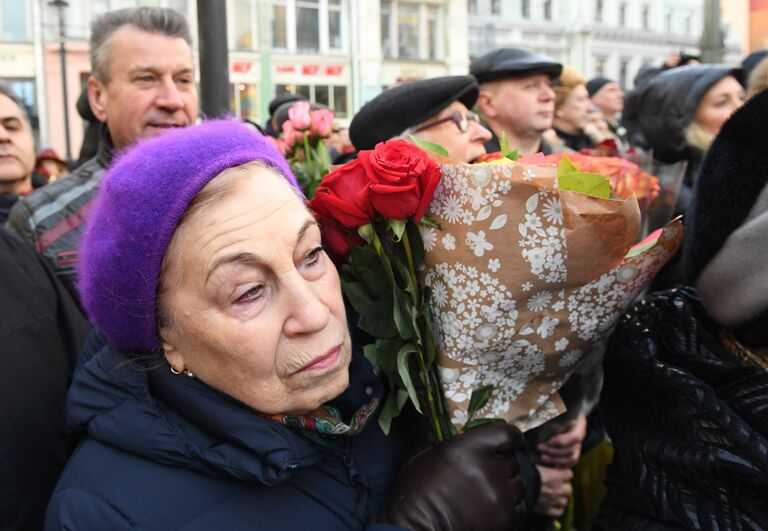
(685,391)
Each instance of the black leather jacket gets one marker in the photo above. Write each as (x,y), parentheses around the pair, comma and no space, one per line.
(688,421)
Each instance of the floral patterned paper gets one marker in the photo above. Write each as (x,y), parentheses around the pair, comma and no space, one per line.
(524,279)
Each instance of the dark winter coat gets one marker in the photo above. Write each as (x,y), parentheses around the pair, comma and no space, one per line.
(688,421)
(41,332)
(658,112)
(168,452)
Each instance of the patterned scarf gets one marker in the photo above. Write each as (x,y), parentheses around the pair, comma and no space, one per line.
(328,420)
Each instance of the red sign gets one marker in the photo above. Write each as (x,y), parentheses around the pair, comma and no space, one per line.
(286,69)
(333,70)
(241,67)
(310,70)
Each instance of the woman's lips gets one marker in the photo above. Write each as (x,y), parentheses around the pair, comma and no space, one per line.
(325,361)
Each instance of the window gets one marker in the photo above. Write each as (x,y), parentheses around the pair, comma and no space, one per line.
(623,72)
(386,24)
(646,16)
(598,10)
(623,14)
(600,65)
(279,25)
(525,8)
(334,96)
(242,25)
(668,14)
(472,6)
(411,30)
(334,25)
(548,10)
(307,26)
(407,30)
(14,21)
(496,7)
(687,22)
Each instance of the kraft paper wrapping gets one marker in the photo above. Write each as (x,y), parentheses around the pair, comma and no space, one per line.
(524,279)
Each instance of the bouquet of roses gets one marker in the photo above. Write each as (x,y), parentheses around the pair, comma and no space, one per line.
(302,143)
(482,285)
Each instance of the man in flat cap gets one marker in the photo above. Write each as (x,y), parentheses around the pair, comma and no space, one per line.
(608,97)
(516,97)
(436,110)
(272,128)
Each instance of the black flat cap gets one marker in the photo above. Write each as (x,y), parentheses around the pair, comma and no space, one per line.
(285,97)
(398,108)
(513,62)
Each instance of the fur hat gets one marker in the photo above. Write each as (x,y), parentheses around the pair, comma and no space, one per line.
(139,205)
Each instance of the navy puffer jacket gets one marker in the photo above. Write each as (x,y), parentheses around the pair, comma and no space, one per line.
(167,452)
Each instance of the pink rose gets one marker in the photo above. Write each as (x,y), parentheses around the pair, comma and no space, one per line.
(289,133)
(322,122)
(298,114)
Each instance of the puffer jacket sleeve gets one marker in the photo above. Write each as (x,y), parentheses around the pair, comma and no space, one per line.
(75,510)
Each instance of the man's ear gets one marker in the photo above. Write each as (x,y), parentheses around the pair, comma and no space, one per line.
(98,98)
(486,104)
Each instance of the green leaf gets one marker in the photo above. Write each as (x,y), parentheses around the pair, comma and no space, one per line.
(397,226)
(386,356)
(592,184)
(479,399)
(417,245)
(476,423)
(403,369)
(429,222)
(391,408)
(429,146)
(404,319)
(506,151)
(366,232)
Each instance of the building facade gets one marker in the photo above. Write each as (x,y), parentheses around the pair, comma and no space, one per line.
(340,53)
(613,38)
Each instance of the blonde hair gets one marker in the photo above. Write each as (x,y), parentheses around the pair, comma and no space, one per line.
(697,136)
(569,79)
(758,79)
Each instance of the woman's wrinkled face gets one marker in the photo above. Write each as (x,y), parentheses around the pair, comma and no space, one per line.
(464,146)
(719,103)
(257,311)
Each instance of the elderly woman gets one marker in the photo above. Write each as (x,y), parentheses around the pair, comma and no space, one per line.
(225,390)
(436,110)
(572,108)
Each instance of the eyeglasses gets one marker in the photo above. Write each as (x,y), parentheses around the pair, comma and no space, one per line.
(460,119)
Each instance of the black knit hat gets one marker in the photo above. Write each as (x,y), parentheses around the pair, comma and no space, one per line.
(513,62)
(596,83)
(398,108)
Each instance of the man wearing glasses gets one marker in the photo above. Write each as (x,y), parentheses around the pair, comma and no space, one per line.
(436,110)
(516,97)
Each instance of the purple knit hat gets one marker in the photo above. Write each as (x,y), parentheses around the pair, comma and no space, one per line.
(140,202)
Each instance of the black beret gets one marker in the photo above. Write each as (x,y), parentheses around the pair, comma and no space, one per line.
(403,106)
(596,83)
(285,97)
(513,62)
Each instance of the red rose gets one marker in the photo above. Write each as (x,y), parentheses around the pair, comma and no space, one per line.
(403,179)
(343,196)
(337,239)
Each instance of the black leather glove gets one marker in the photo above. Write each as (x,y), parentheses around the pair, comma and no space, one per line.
(469,482)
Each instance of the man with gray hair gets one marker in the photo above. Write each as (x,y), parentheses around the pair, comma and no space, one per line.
(17,153)
(142,84)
